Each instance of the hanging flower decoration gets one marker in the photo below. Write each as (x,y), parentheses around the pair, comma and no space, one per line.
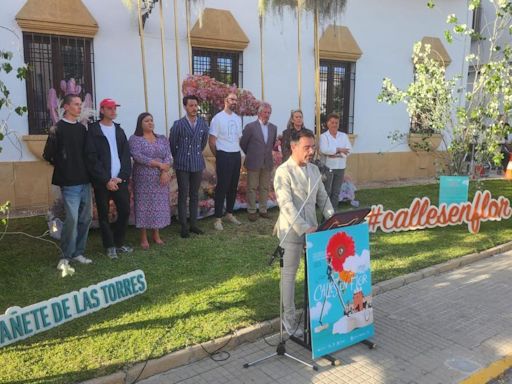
(208,89)
(54,101)
(327,9)
(339,248)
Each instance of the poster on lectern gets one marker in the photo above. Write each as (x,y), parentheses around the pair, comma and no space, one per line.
(339,288)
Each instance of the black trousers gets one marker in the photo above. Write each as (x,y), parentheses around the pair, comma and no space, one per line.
(188,187)
(228,172)
(113,234)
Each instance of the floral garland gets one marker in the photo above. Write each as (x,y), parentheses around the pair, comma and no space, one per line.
(54,102)
(210,90)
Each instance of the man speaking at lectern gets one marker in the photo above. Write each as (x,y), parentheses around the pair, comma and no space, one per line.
(298,184)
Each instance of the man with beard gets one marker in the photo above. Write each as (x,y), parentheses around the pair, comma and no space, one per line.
(188,139)
(297,184)
(224,141)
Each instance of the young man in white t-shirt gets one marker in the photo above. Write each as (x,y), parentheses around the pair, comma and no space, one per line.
(110,167)
(224,141)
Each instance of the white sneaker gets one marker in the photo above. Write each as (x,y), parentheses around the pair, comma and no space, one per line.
(62,264)
(82,259)
(65,268)
(217,224)
(232,219)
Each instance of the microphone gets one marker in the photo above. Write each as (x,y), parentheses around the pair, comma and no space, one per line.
(324,169)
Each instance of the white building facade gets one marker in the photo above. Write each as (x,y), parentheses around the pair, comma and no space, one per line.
(98,43)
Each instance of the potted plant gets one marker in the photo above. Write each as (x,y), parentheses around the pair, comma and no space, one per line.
(474,118)
(429,100)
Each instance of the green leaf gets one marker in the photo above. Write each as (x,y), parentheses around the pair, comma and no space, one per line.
(431,4)
(448,36)
(459,28)
(6,55)
(20,110)
(22,72)
(452,19)
(7,67)
(474,4)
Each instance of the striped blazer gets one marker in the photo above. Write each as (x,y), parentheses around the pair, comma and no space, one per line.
(187,144)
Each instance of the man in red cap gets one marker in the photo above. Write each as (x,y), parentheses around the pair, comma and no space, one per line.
(109,164)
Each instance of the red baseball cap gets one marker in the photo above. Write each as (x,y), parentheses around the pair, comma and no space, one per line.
(109,103)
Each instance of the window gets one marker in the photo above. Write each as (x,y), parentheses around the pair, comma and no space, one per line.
(476,23)
(337,84)
(52,59)
(224,66)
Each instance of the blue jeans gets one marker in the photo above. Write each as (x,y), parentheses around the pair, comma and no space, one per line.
(77,204)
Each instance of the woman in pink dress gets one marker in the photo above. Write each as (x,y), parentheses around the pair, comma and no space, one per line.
(151,164)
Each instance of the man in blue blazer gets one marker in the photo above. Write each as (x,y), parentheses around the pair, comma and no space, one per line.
(188,138)
(257,141)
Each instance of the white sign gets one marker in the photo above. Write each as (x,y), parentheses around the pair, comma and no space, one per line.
(19,323)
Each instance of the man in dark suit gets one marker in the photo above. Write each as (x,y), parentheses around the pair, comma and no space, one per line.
(188,139)
(258,140)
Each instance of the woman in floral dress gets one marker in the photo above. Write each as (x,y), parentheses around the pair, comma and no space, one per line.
(152,161)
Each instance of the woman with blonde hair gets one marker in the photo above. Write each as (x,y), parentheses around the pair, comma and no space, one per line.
(296,122)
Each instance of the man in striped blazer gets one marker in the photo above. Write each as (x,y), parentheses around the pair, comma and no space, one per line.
(188,138)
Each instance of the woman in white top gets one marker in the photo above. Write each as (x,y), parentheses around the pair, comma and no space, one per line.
(334,149)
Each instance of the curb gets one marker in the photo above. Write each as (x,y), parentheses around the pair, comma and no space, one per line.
(197,352)
(490,372)
(188,355)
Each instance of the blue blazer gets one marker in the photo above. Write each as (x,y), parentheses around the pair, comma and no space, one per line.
(187,144)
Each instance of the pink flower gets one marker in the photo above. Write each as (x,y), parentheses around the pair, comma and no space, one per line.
(53,104)
(87,101)
(212,91)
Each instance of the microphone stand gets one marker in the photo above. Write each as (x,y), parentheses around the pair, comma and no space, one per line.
(279,252)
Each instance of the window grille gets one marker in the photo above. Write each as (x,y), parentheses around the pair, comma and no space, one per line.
(476,23)
(337,86)
(52,59)
(224,66)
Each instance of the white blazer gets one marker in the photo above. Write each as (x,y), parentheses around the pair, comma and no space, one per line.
(292,185)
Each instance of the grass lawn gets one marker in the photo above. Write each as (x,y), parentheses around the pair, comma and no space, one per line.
(198,288)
